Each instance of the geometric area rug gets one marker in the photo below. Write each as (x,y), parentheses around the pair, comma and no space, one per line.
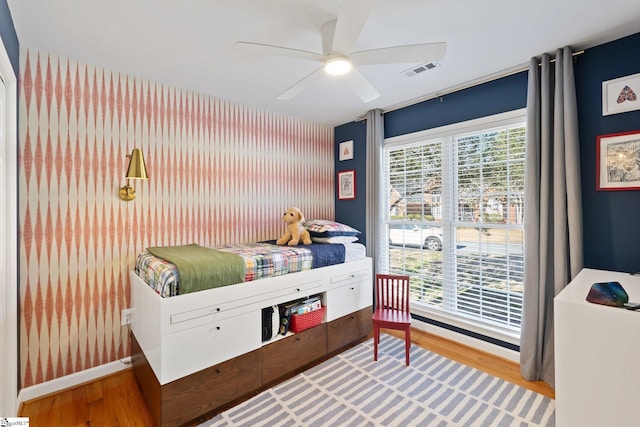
(351,389)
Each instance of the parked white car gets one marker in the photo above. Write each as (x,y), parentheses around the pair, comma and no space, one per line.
(423,236)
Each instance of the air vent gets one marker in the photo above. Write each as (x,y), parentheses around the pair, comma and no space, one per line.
(421,68)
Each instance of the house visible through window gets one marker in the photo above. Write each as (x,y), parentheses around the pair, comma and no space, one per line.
(455,222)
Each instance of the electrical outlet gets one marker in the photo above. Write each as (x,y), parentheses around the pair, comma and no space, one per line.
(126,316)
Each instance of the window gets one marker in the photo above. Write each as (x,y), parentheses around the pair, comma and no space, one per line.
(455,221)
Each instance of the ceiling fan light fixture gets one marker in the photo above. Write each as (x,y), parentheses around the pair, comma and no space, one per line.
(337,66)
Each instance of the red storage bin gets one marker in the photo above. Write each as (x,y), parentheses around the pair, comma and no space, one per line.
(300,322)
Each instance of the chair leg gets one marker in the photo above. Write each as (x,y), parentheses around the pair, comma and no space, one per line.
(407,344)
(376,338)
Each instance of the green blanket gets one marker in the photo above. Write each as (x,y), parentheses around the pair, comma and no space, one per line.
(202,268)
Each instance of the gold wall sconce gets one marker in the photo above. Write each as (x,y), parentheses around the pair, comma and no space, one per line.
(136,170)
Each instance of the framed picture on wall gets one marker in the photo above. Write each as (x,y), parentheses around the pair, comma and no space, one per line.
(621,95)
(346,150)
(618,161)
(347,185)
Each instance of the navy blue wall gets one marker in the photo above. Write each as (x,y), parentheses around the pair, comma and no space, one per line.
(611,218)
(9,37)
(352,212)
(498,96)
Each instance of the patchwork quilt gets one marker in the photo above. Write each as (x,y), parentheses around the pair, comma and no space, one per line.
(261,260)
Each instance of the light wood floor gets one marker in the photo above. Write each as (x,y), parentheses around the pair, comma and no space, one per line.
(116,400)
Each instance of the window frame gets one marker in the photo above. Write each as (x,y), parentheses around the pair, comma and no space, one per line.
(483,123)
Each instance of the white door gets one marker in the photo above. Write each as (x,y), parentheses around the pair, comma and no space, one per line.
(8,239)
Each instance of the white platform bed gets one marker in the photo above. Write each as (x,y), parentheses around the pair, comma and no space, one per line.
(197,353)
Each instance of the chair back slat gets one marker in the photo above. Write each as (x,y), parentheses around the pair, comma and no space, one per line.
(392,291)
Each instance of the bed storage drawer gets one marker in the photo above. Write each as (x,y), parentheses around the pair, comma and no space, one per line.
(288,354)
(349,329)
(347,299)
(192,350)
(351,277)
(208,315)
(191,397)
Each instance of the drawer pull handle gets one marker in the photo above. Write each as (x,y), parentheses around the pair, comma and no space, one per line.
(352,288)
(218,309)
(353,275)
(217,371)
(218,328)
(297,289)
(297,339)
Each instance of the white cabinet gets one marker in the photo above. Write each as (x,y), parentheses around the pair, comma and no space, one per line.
(597,355)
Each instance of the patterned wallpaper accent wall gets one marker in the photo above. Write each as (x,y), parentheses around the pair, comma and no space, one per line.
(220,173)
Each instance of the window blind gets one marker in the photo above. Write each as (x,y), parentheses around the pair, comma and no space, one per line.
(455,221)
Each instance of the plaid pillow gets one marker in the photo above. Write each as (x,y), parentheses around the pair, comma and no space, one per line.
(324,228)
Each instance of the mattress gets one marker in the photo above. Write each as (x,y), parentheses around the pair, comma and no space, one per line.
(262,260)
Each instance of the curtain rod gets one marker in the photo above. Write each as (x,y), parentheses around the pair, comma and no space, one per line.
(518,69)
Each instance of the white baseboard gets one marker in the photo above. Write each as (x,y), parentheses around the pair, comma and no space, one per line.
(72,380)
(494,349)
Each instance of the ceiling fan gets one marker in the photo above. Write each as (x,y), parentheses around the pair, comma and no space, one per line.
(338,38)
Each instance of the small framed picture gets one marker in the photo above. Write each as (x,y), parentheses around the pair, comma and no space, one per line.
(621,95)
(346,150)
(618,161)
(347,185)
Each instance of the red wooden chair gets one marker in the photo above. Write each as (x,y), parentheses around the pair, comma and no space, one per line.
(392,309)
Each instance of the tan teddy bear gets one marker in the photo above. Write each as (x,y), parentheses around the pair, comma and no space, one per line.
(295,233)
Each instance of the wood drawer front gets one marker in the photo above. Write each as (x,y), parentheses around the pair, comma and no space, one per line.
(188,398)
(288,354)
(347,299)
(350,328)
(198,348)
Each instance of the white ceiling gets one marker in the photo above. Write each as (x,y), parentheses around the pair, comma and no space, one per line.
(189,43)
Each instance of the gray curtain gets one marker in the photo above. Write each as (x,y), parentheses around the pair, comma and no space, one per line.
(375,196)
(553,207)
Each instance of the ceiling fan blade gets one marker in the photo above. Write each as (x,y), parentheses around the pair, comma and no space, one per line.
(300,85)
(351,19)
(267,49)
(424,52)
(327,31)
(361,86)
